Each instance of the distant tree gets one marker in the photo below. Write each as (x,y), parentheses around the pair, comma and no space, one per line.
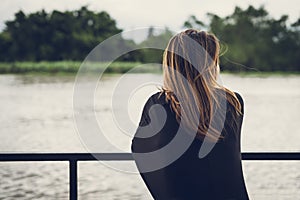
(250,38)
(68,35)
(161,40)
(254,40)
(193,22)
(150,32)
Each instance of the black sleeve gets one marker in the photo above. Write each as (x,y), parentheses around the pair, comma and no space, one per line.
(155,180)
(147,136)
(145,118)
(137,141)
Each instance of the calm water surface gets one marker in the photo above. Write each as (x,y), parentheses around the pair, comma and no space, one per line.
(37,116)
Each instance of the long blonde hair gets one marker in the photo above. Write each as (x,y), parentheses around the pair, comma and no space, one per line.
(194,55)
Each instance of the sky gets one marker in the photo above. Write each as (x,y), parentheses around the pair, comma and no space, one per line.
(131,14)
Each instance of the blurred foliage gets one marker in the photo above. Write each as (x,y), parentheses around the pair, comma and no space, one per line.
(69,35)
(151,55)
(250,39)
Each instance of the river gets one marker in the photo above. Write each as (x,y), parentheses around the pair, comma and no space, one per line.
(37,116)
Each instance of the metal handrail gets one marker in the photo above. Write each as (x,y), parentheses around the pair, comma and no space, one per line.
(73,158)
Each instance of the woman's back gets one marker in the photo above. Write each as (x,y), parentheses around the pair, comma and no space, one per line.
(216,176)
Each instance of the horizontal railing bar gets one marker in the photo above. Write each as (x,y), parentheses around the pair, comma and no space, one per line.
(271,156)
(6,157)
(74,157)
(64,156)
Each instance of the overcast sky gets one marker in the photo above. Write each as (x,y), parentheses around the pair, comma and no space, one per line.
(131,14)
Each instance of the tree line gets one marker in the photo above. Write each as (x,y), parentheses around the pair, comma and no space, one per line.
(250,39)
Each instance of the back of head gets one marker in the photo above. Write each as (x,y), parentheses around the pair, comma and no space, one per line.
(191,68)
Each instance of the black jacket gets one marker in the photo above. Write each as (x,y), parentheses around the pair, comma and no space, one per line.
(217,176)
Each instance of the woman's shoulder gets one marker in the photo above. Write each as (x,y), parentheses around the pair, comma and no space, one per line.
(157,98)
(154,99)
(239,97)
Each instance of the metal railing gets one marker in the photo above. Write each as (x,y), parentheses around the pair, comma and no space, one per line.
(73,158)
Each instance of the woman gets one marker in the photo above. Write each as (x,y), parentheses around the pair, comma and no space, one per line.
(187,145)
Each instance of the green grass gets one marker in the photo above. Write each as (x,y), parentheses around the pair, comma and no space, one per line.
(72,67)
(262,73)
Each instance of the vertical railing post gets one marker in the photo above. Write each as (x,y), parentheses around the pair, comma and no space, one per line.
(73,179)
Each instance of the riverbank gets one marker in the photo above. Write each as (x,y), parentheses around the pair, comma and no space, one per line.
(72,67)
